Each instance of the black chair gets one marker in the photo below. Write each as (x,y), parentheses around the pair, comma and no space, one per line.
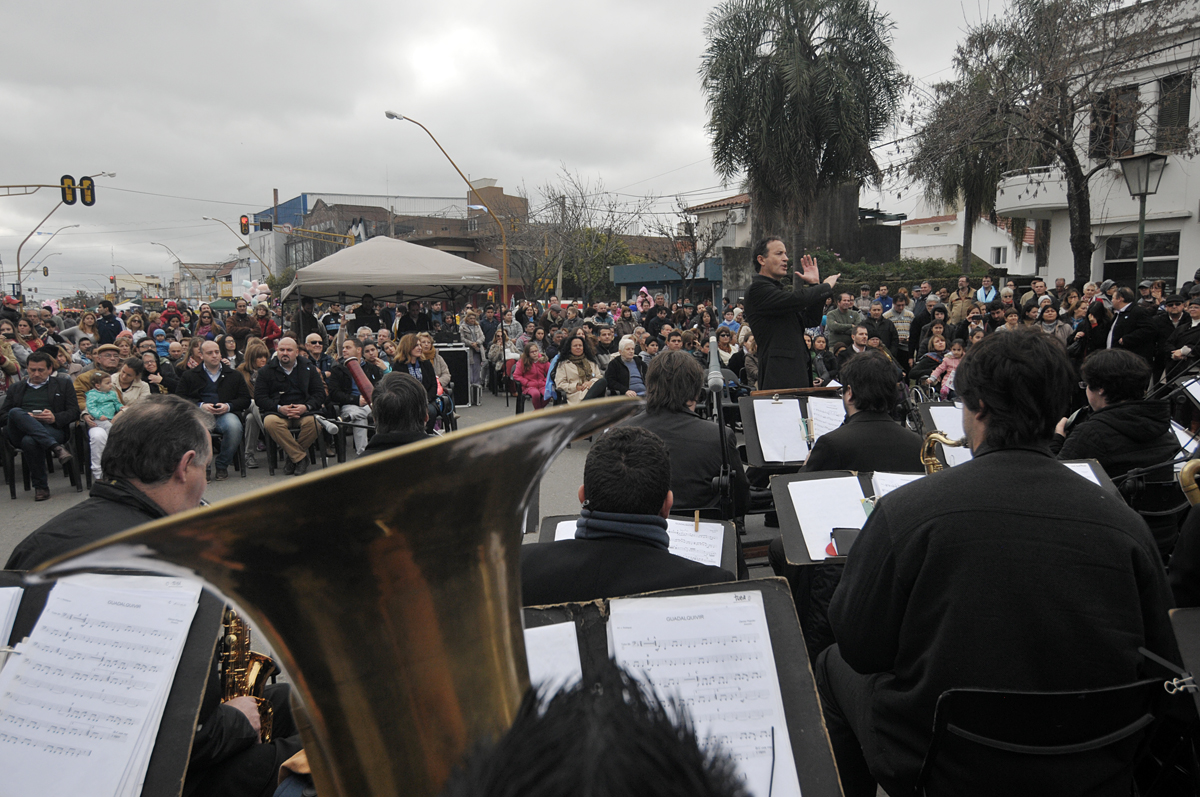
(71,470)
(989,742)
(239,457)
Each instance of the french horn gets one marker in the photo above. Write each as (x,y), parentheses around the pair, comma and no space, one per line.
(388,588)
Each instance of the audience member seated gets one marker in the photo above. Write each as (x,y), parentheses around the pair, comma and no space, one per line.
(409,361)
(626,373)
(221,392)
(288,392)
(576,372)
(674,381)
(530,374)
(981,576)
(401,408)
(351,404)
(620,545)
(36,414)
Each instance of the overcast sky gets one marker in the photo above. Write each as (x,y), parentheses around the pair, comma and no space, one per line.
(214,104)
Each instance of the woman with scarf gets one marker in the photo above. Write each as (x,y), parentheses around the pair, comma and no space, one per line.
(1050,324)
(409,361)
(207,327)
(158,382)
(576,373)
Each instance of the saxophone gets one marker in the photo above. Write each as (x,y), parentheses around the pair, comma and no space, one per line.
(244,672)
(929,455)
(1187,481)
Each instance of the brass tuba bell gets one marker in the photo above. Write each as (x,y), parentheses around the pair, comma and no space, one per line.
(389,589)
(929,453)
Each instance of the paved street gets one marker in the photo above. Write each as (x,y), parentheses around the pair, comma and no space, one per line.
(558,493)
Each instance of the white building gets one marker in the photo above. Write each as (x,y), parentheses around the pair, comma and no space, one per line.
(942,237)
(1165,101)
(733,213)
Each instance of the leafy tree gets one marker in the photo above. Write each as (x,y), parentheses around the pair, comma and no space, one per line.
(796,92)
(685,244)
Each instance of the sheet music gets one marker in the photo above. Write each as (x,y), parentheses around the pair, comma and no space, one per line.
(713,652)
(781,431)
(552,652)
(823,505)
(1186,441)
(10,601)
(82,698)
(1084,470)
(704,546)
(883,483)
(947,418)
(1193,390)
(825,414)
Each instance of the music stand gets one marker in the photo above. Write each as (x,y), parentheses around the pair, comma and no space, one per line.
(1186,624)
(754,452)
(728,541)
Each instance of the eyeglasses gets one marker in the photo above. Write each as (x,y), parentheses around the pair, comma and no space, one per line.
(1083,385)
(315,343)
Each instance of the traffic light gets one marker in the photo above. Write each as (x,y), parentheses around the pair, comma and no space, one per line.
(68,189)
(45,271)
(113,280)
(245,225)
(491,295)
(87,191)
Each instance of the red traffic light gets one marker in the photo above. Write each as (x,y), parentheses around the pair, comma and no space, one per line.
(245,225)
(113,280)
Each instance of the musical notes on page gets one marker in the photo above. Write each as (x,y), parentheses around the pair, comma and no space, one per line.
(703,546)
(781,432)
(713,654)
(82,698)
(883,483)
(10,601)
(825,414)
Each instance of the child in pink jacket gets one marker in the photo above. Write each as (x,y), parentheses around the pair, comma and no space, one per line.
(947,369)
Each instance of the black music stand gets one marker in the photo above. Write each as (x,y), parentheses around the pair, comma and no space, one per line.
(728,541)
(754,452)
(801,704)
(1186,624)
(173,746)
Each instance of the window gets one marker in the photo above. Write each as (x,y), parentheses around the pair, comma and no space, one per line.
(1114,121)
(472,224)
(999,255)
(1160,258)
(1174,111)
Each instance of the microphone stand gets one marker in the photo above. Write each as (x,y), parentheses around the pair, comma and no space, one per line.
(722,484)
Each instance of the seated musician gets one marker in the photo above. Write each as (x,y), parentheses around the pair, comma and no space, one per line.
(620,545)
(1006,572)
(401,410)
(870,440)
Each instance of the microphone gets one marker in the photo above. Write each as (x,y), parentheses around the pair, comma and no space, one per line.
(715,380)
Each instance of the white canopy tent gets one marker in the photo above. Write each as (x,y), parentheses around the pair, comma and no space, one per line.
(385,267)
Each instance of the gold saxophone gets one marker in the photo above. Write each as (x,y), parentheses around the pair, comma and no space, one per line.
(244,673)
(388,589)
(1187,480)
(929,454)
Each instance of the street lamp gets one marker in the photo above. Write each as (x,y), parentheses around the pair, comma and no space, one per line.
(51,238)
(244,243)
(43,221)
(503,236)
(179,260)
(1142,175)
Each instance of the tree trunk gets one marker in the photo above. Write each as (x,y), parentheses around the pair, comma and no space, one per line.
(1079,210)
(1041,247)
(970,216)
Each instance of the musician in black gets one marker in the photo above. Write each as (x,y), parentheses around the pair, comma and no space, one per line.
(1007,572)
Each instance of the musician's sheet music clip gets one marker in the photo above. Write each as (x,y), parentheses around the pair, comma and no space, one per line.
(1184,683)
(775,399)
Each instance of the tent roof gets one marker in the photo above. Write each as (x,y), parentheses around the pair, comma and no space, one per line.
(384,266)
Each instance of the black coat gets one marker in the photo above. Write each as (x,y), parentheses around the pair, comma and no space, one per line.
(953,584)
(382,441)
(271,385)
(63,400)
(1184,335)
(428,377)
(111,507)
(778,318)
(582,570)
(341,382)
(1132,434)
(867,441)
(885,330)
(1133,330)
(231,388)
(695,458)
(617,374)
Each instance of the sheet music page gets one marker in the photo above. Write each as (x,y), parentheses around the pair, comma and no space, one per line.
(826,414)
(948,419)
(883,483)
(10,601)
(81,700)
(1186,441)
(552,652)
(1193,389)
(704,546)
(713,653)
(823,505)
(1084,470)
(780,430)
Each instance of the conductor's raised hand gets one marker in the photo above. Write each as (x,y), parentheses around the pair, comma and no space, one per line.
(808,270)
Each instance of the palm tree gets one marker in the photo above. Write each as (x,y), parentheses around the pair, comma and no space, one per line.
(796,92)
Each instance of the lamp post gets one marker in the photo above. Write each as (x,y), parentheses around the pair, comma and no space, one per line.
(179,260)
(245,244)
(503,235)
(43,221)
(1142,175)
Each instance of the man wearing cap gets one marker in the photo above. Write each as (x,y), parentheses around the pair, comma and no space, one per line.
(1165,323)
(331,322)
(863,303)
(106,359)
(1145,299)
(11,310)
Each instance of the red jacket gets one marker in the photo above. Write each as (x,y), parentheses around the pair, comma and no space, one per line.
(532,381)
(270,331)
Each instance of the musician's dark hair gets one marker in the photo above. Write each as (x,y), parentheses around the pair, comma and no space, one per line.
(1021,381)
(871,378)
(628,471)
(760,250)
(672,380)
(1127,295)
(149,437)
(1121,374)
(606,736)
(134,364)
(353,341)
(399,404)
(44,358)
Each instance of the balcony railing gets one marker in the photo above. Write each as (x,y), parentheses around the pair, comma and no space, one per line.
(1032,193)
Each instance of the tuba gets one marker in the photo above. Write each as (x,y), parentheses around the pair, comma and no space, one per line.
(929,453)
(389,589)
(1187,481)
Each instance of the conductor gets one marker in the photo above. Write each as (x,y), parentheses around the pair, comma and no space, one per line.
(777,315)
